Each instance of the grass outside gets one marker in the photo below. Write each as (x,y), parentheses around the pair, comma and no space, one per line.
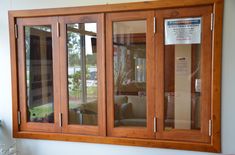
(41,111)
(46,109)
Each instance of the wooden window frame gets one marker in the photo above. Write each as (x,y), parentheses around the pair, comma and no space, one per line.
(206,53)
(215,140)
(83,129)
(35,126)
(132,132)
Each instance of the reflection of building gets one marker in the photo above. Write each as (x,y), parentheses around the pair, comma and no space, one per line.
(39,67)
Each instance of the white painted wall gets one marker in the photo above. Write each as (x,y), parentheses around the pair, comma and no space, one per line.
(42,147)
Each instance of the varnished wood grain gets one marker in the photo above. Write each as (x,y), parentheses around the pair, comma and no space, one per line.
(83,129)
(205,100)
(119,141)
(14,72)
(140,132)
(213,146)
(22,91)
(216,75)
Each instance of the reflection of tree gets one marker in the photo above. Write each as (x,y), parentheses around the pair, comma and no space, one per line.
(120,76)
(75,84)
(121,73)
(78,58)
(74,49)
(73,59)
(75,81)
(73,46)
(91,59)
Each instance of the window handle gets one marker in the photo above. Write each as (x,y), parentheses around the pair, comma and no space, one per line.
(155,124)
(60,119)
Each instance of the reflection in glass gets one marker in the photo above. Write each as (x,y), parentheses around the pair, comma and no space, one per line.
(39,73)
(129,45)
(82,73)
(182,86)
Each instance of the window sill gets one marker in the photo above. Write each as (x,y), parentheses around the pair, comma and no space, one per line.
(119,141)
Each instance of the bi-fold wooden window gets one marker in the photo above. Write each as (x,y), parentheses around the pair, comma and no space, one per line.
(118,77)
(61,74)
(153,84)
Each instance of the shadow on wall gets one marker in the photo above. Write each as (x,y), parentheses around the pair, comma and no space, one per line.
(26,150)
(6,141)
(5,133)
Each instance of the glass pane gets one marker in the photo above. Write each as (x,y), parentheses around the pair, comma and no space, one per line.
(182,86)
(129,45)
(82,73)
(39,73)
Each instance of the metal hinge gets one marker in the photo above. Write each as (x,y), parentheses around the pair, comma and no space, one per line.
(155,124)
(212,21)
(16,31)
(58,29)
(19,117)
(210,127)
(61,119)
(154,24)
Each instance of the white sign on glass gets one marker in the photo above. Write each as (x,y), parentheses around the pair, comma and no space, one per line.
(181,66)
(183,31)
